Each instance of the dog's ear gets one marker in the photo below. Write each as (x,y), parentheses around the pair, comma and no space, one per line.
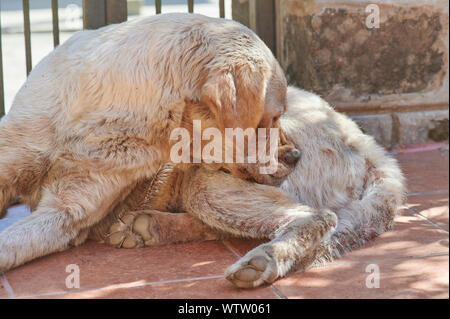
(236,100)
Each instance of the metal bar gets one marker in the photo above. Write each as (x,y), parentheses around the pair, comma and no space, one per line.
(2,91)
(262,21)
(94,14)
(55,21)
(191,6)
(240,12)
(222,8)
(27,32)
(116,11)
(158,6)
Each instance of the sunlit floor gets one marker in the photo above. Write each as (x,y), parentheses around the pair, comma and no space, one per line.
(412,260)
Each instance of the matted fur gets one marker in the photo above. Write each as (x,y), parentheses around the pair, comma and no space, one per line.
(344,191)
(94,117)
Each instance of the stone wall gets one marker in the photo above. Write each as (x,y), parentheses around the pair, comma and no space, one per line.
(391,77)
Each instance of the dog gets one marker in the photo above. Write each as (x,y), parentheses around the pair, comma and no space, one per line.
(95,116)
(344,191)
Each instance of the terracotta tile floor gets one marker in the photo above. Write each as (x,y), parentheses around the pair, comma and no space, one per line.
(413,259)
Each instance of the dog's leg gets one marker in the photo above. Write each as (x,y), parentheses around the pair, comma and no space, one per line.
(7,173)
(22,162)
(361,221)
(257,211)
(69,206)
(151,228)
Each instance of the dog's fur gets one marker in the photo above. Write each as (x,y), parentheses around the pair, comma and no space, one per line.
(94,117)
(344,191)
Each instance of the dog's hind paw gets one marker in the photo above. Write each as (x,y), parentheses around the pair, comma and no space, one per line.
(254,269)
(134,230)
(121,234)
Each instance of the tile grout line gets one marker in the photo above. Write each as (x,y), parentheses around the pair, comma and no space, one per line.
(277,292)
(431,222)
(436,192)
(231,249)
(428,147)
(414,212)
(7,286)
(122,286)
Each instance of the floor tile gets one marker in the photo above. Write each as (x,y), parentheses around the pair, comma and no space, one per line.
(101,265)
(434,207)
(410,278)
(197,289)
(412,236)
(425,171)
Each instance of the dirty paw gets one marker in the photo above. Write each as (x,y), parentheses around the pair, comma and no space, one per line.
(254,269)
(133,231)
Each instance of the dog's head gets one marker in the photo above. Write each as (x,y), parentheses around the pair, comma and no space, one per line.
(249,99)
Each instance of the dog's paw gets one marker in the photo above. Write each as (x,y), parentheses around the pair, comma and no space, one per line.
(134,231)
(121,234)
(254,269)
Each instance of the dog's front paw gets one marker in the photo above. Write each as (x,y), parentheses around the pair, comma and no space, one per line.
(254,269)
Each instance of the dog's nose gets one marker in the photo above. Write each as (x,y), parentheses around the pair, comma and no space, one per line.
(293,156)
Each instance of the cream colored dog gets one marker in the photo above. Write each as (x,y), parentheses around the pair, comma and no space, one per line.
(94,117)
(344,191)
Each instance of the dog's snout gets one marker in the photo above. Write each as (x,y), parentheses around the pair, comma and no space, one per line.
(293,156)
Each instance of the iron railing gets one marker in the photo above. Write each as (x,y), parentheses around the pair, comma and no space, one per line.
(27,36)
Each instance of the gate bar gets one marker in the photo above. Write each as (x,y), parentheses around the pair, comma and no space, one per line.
(158,6)
(26,32)
(191,6)
(262,20)
(55,21)
(116,11)
(94,14)
(222,8)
